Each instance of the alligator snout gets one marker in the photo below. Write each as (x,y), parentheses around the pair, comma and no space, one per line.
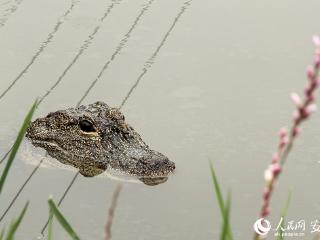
(154,164)
(156,169)
(37,130)
(143,162)
(158,162)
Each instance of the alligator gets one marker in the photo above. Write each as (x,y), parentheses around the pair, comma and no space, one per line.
(95,137)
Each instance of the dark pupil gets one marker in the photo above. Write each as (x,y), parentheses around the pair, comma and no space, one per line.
(86,126)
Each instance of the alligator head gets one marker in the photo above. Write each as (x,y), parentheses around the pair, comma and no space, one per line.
(95,137)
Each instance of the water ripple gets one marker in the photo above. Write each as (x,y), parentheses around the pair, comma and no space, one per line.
(82,49)
(10,8)
(148,64)
(41,49)
(118,49)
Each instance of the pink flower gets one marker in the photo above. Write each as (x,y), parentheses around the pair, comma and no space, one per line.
(304,108)
(266,194)
(316,40)
(284,141)
(265,212)
(275,158)
(296,131)
(317,61)
(283,132)
(296,99)
(311,108)
(310,73)
(276,169)
(295,115)
(268,174)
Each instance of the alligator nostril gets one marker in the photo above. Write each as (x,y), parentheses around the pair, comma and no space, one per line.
(161,163)
(155,163)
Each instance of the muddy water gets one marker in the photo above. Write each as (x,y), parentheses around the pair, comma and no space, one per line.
(199,80)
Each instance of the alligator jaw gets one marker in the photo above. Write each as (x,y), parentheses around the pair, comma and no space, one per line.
(152,181)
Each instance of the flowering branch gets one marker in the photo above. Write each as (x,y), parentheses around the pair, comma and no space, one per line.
(304,108)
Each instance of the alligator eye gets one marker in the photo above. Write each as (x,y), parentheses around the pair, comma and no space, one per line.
(86,126)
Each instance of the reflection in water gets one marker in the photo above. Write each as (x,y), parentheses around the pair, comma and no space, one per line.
(42,47)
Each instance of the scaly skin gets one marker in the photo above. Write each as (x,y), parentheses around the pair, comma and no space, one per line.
(95,137)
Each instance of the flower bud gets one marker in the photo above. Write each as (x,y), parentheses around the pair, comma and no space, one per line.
(276,169)
(266,212)
(310,73)
(266,194)
(296,99)
(283,132)
(296,131)
(268,174)
(316,40)
(275,158)
(311,108)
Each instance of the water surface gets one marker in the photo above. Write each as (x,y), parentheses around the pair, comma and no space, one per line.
(199,80)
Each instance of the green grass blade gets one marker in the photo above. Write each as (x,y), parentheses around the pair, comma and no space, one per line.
(217,189)
(13,228)
(50,225)
(2,234)
(226,215)
(61,219)
(219,198)
(283,215)
(16,145)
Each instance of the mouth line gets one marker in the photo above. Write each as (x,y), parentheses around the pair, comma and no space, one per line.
(143,174)
(53,144)
(160,174)
(42,142)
